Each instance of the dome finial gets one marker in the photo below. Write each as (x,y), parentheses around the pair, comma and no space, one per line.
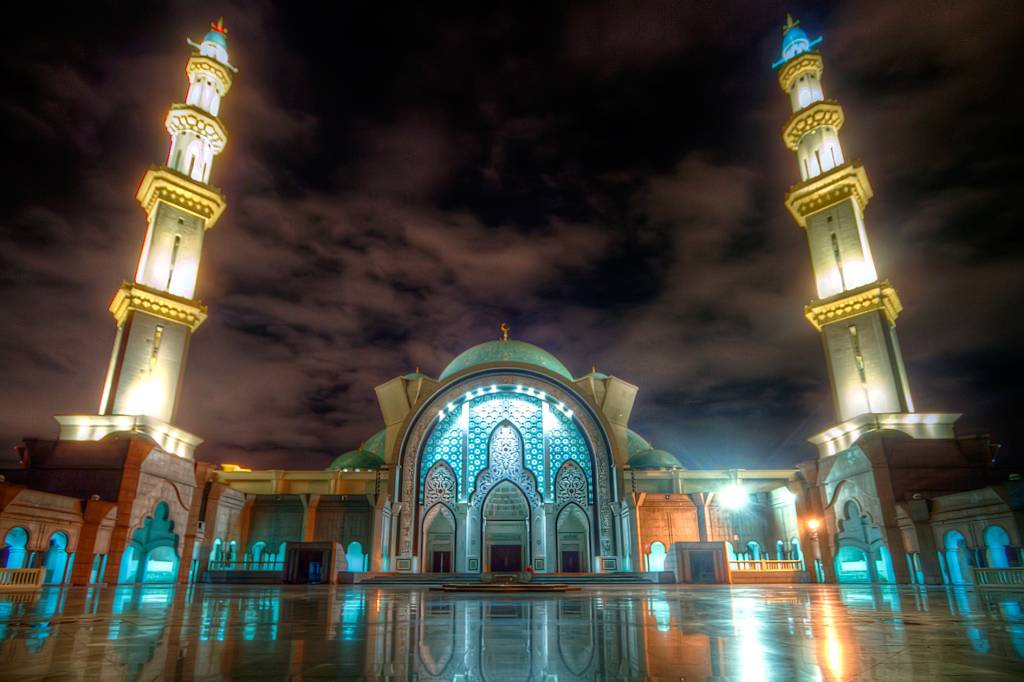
(789,24)
(504,329)
(219,27)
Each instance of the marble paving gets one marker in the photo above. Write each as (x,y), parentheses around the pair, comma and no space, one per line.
(800,632)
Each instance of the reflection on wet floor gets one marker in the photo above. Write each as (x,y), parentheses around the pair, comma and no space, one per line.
(771,632)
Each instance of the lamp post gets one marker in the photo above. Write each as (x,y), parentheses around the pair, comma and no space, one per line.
(812,528)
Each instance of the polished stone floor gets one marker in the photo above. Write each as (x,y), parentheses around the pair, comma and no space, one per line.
(667,633)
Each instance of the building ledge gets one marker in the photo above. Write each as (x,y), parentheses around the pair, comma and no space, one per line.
(169,438)
(920,425)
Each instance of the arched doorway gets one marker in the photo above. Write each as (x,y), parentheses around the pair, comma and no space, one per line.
(996,543)
(152,554)
(573,540)
(656,557)
(959,570)
(506,529)
(15,545)
(439,539)
(161,566)
(56,559)
(852,565)
(863,555)
(355,560)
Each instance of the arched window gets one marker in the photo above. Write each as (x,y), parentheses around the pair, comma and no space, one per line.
(15,544)
(354,558)
(56,559)
(957,560)
(656,557)
(997,544)
(754,548)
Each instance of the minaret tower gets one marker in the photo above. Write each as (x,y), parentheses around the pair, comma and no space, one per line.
(158,311)
(855,311)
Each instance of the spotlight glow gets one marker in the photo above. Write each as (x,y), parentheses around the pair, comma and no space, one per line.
(734,497)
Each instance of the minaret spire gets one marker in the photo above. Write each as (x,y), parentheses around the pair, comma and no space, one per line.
(157,312)
(855,311)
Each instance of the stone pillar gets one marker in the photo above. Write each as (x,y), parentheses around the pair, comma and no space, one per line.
(538,540)
(95,511)
(188,536)
(245,525)
(378,529)
(700,501)
(459,559)
(920,513)
(309,505)
(138,451)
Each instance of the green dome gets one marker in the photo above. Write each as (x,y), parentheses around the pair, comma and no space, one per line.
(375,444)
(635,443)
(654,459)
(357,459)
(505,351)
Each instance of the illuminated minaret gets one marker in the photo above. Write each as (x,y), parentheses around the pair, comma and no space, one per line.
(158,311)
(855,311)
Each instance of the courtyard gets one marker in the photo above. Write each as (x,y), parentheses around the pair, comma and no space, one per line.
(805,632)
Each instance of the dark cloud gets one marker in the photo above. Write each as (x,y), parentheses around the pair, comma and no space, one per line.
(606,177)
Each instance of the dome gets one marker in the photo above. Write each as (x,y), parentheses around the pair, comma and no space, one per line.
(794,40)
(216,37)
(357,459)
(506,351)
(635,443)
(654,459)
(375,444)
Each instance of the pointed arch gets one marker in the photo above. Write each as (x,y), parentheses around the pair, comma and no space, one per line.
(573,539)
(440,485)
(439,541)
(571,484)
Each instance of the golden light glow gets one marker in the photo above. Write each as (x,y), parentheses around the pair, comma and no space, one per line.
(162,184)
(813,524)
(233,468)
(821,113)
(822,191)
(881,296)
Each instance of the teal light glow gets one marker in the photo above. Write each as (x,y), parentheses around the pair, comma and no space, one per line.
(463,428)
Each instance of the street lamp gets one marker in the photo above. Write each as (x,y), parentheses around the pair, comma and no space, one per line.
(812,527)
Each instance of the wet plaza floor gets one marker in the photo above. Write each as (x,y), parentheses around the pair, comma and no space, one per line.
(805,632)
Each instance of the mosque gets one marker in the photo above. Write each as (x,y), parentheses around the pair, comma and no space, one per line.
(506,461)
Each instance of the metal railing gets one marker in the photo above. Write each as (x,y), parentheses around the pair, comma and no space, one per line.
(246,566)
(766,565)
(21,579)
(999,576)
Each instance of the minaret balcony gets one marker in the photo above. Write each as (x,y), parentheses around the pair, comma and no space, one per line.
(163,184)
(808,62)
(874,296)
(842,182)
(198,65)
(184,118)
(135,296)
(822,113)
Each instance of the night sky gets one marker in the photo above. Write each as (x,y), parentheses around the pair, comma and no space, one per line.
(606,177)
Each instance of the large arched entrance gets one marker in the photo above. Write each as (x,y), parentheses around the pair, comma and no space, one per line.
(506,529)
(493,428)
